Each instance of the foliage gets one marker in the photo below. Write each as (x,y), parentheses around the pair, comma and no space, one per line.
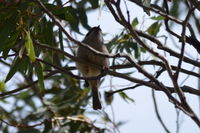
(48,94)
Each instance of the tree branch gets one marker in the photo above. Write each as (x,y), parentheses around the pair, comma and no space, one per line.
(184,105)
(157,113)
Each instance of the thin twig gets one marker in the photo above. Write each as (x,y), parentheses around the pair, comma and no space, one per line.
(185,22)
(166,49)
(20,125)
(8,56)
(158,12)
(8,93)
(157,113)
(78,119)
(123,89)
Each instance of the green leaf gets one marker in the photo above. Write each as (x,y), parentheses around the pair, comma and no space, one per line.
(158,18)
(7,35)
(154,28)
(23,95)
(106,118)
(125,97)
(143,50)
(19,64)
(174,9)
(134,22)
(83,18)
(2,86)
(39,72)
(47,32)
(14,68)
(60,35)
(61,39)
(24,65)
(126,36)
(94,3)
(120,123)
(136,50)
(61,12)
(29,47)
(5,53)
(75,23)
(9,41)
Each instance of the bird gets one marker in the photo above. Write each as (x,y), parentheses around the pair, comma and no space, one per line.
(94,39)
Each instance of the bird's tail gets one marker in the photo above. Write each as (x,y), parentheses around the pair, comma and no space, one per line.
(95,98)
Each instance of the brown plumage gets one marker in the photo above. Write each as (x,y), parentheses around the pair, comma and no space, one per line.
(94,38)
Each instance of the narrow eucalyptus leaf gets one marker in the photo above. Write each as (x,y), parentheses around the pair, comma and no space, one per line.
(29,47)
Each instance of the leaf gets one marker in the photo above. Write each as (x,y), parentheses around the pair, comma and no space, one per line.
(2,86)
(154,28)
(75,24)
(61,12)
(24,65)
(126,36)
(134,22)
(29,47)
(158,18)
(106,118)
(6,39)
(39,72)
(94,3)
(5,53)
(14,68)
(120,123)
(174,9)
(23,95)
(61,39)
(19,64)
(60,35)
(9,42)
(143,50)
(136,49)
(125,97)
(47,32)
(83,18)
